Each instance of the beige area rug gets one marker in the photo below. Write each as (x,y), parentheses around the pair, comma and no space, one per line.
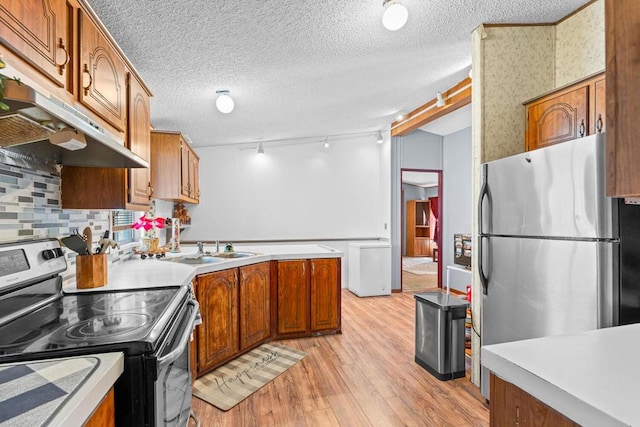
(421,266)
(236,380)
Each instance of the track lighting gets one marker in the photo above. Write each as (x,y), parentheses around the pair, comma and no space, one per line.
(440,102)
(260,149)
(395,15)
(379,139)
(224,102)
(325,144)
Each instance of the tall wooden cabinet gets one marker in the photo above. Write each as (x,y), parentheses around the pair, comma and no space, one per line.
(622,26)
(174,168)
(418,231)
(38,32)
(569,113)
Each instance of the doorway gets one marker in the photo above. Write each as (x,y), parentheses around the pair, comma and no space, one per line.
(421,229)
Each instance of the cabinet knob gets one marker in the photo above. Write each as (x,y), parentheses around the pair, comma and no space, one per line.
(581,129)
(64,54)
(85,72)
(599,123)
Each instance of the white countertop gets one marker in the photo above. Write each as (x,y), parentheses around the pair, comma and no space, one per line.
(93,376)
(591,377)
(149,273)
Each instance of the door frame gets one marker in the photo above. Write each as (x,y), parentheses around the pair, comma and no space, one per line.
(440,220)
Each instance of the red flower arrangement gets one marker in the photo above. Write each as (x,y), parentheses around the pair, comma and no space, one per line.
(149,225)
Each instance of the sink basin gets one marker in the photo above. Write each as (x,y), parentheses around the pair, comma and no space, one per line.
(194,259)
(233,254)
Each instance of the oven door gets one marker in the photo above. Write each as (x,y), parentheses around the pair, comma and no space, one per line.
(173,384)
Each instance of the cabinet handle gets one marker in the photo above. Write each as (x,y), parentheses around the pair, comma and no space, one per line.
(581,131)
(62,66)
(304,264)
(150,190)
(85,71)
(599,124)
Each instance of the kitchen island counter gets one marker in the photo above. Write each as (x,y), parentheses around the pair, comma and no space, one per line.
(149,273)
(56,392)
(590,377)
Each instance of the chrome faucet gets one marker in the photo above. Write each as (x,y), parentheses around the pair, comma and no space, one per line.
(217,246)
(200,248)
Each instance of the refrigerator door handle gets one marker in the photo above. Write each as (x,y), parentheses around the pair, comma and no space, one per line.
(484,193)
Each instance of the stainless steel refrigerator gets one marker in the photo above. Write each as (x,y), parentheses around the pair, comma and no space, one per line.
(549,244)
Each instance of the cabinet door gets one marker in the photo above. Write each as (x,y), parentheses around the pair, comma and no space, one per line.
(185,188)
(217,294)
(139,136)
(600,106)
(511,406)
(194,176)
(255,310)
(293,297)
(622,26)
(557,119)
(37,30)
(325,294)
(102,75)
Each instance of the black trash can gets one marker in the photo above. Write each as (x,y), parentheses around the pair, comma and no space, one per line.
(440,334)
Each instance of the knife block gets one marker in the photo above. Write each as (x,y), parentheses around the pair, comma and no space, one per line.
(91,271)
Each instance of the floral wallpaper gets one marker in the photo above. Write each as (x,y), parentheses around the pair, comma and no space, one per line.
(580,45)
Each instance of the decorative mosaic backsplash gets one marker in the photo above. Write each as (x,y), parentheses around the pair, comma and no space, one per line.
(30,209)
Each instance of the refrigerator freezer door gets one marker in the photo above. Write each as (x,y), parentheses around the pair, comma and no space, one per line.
(557,191)
(541,287)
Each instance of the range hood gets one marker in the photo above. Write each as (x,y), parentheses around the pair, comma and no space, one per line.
(48,128)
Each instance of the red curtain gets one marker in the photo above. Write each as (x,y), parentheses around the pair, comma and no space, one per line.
(435,231)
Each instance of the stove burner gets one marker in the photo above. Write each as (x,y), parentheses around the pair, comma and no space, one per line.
(107,326)
(110,303)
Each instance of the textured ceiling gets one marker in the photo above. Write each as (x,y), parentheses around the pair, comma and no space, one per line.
(298,68)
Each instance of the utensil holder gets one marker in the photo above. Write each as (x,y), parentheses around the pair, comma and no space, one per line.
(91,271)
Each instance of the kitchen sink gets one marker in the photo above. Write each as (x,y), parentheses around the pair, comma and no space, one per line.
(195,259)
(233,254)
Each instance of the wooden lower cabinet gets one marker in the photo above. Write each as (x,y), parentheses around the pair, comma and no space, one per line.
(511,406)
(325,294)
(293,297)
(255,307)
(217,294)
(104,415)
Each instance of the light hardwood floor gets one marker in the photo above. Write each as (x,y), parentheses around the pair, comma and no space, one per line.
(364,377)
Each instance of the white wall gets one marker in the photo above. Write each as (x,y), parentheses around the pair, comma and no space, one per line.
(293,192)
(457,203)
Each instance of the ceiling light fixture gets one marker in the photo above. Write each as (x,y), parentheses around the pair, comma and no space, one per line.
(224,103)
(325,144)
(379,139)
(260,149)
(440,102)
(395,15)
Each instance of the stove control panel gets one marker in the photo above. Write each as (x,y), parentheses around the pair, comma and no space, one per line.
(29,260)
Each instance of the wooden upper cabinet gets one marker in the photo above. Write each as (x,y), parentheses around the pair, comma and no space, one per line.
(558,118)
(102,75)
(217,294)
(174,168)
(622,26)
(325,294)
(255,308)
(37,30)
(571,112)
(293,297)
(139,141)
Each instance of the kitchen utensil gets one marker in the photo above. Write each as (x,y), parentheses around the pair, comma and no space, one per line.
(103,244)
(106,243)
(76,244)
(87,234)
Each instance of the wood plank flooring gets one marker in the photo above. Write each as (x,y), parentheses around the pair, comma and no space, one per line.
(365,377)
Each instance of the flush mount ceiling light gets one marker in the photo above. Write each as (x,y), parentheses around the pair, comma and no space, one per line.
(395,15)
(379,139)
(325,144)
(260,149)
(224,103)
(440,102)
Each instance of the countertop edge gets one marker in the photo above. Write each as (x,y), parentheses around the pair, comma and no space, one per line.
(78,409)
(562,401)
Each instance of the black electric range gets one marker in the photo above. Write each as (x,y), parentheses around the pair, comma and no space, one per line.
(150,326)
